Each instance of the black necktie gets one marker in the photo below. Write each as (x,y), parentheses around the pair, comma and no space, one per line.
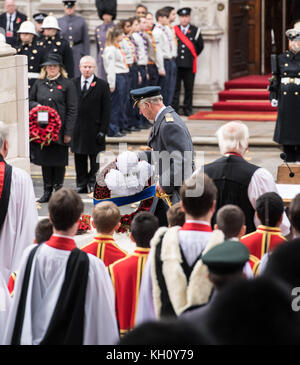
(84,89)
(9,23)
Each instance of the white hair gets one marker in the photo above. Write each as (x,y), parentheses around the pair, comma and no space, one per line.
(4,131)
(87,59)
(152,99)
(233,137)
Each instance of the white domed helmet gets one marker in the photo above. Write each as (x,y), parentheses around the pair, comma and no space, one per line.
(27,27)
(50,22)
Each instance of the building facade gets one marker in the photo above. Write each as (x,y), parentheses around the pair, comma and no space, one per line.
(236,33)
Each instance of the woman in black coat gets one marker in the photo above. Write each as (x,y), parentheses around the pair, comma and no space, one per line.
(55,90)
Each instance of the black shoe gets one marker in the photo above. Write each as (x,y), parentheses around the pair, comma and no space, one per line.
(119,134)
(57,187)
(46,197)
(91,187)
(125,130)
(134,129)
(82,190)
(187,113)
(143,127)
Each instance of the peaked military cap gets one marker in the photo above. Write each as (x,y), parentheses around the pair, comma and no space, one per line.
(294,33)
(39,17)
(69,4)
(144,92)
(226,258)
(184,11)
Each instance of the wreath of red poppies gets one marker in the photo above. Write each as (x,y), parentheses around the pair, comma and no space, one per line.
(38,134)
(101,191)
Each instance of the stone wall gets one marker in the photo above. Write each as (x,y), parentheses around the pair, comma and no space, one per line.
(14,104)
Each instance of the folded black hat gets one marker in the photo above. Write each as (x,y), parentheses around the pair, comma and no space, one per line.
(53,59)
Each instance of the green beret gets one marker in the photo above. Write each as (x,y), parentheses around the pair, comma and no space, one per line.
(226,258)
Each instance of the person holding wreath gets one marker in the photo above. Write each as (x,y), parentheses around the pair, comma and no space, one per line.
(56,91)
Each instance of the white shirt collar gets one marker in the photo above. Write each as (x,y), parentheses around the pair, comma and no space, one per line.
(89,81)
(13,16)
(184,29)
(196,221)
(159,112)
(63,236)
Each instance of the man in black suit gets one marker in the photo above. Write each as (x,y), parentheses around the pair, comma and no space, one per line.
(190,45)
(91,124)
(10,21)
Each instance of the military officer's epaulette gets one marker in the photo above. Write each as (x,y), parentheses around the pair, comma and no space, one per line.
(169,118)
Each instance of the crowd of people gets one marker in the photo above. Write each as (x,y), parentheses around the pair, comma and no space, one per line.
(188,282)
(133,53)
(222,253)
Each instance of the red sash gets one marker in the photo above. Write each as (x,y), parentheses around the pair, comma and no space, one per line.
(184,39)
(2,173)
(5,184)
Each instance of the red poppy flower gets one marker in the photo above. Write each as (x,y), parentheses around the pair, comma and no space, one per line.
(59,87)
(18,20)
(93,84)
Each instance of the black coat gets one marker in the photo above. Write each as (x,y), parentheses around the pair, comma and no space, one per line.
(287,130)
(63,99)
(185,58)
(20,18)
(58,44)
(93,116)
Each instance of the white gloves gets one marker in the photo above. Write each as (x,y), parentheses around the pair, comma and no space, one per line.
(274,102)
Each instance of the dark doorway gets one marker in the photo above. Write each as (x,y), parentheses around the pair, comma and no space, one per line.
(244,38)
(280,15)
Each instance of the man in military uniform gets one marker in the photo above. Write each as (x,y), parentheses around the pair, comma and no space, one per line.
(38,21)
(171,143)
(27,46)
(74,29)
(190,45)
(285,93)
(53,42)
(107,12)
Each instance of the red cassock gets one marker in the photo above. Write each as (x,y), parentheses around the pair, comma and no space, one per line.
(104,247)
(126,275)
(263,240)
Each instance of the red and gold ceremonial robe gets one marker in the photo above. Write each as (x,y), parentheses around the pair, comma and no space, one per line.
(263,240)
(104,247)
(126,275)
(254,263)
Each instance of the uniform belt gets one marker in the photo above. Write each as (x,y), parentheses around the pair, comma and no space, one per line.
(33,75)
(290,80)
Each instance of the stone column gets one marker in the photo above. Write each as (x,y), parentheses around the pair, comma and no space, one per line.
(14,104)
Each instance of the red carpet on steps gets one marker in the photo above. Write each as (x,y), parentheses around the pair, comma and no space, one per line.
(243,98)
